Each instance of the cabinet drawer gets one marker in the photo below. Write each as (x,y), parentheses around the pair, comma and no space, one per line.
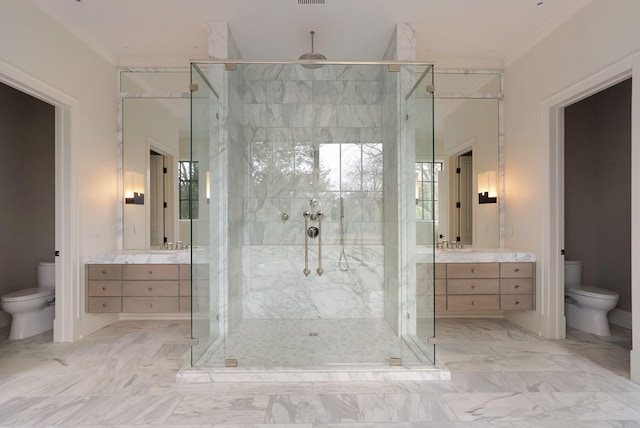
(185,304)
(150,288)
(510,302)
(473,270)
(516,286)
(150,304)
(185,288)
(144,272)
(516,270)
(441,270)
(185,271)
(105,272)
(478,302)
(104,304)
(473,286)
(441,303)
(105,288)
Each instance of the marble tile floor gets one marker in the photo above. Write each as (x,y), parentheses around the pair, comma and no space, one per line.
(125,376)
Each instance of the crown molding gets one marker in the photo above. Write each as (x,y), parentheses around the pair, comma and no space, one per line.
(549,27)
(50,9)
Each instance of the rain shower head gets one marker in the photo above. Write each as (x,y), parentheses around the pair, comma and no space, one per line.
(312,55)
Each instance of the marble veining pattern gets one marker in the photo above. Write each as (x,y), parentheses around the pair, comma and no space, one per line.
(275,287)
(125,375)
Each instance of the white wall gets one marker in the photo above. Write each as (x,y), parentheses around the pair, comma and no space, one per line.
(601,34)
(40,56)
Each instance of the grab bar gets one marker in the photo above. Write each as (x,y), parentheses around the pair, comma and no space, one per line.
(319,271)
(306,270)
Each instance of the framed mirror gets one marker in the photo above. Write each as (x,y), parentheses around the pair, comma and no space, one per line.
(467,142)
(155,141)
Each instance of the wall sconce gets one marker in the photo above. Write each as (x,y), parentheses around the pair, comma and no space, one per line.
(207,185)
(487,188)
(133,188)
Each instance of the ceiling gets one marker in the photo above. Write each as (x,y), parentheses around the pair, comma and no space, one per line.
(491,32)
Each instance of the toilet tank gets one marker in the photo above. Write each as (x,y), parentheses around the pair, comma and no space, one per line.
(572,273)
(47,274)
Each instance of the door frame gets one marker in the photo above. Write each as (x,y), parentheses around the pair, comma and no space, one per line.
(66,326)
(551,295)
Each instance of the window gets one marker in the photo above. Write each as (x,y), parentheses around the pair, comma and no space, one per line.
(427,190)
(188,174)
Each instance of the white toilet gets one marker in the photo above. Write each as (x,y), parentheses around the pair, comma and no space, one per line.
(32,309)
(586,307)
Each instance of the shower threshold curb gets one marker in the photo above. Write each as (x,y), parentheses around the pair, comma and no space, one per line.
(313,374)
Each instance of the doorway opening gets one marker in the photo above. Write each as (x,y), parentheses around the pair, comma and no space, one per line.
(597,199)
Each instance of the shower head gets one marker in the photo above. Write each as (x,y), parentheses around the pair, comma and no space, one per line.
(312,55)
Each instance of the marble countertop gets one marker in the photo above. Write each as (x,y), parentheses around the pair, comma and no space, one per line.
(143,257)
(474,255)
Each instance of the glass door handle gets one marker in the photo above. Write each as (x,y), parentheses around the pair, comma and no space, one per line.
(306,270)
(319,271)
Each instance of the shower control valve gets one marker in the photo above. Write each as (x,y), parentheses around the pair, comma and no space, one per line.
(313,232)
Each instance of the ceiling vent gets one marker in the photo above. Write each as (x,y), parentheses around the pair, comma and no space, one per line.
(311,2)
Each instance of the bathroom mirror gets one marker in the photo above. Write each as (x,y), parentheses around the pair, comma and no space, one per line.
(155,149)
(466,139)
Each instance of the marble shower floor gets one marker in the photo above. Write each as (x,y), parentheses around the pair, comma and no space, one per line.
(125,375)
(309,342)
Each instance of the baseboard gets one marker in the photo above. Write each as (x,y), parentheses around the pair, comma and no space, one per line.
(621,318)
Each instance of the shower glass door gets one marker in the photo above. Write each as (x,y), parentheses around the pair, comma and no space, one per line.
(426,205)
(195,204)
(311,242)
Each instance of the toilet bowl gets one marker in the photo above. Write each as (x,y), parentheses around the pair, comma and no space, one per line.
(586,307)
(32,309)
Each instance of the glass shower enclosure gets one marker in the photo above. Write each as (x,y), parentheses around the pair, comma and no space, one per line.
(303,205)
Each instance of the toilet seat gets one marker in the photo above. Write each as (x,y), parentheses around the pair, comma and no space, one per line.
(594,292)
(28,294)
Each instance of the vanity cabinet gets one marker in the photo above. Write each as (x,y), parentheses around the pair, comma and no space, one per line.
(516,286)
(473,287)
(469,287)
(139,288)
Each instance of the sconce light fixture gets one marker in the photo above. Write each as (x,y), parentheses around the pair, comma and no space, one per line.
(487,188)
(133,188)
(207,185)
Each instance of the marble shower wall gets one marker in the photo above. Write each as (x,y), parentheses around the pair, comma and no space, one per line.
(226,204)
(312,133)
(399,154)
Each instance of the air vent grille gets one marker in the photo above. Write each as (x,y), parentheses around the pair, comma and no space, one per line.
(311,2)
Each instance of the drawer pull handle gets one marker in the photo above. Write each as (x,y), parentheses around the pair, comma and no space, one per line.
(150,289)
(516,286)
(150,272)
(473,303)
(517,302)
(104,272)
(473,287)
(473,271)
(517,270)
(104,305)
(104,288)
(150,305)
